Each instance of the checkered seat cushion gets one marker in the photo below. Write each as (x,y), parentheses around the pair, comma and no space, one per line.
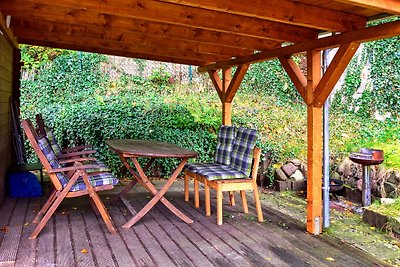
(225,140)
(95,180)
(53,141)
(102,167)
(242,152)
(221,172)
(195,167)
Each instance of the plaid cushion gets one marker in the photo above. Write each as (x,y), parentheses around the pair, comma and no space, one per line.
(226,136)
(52,139)
(194,167)
(241,156)
(105,178)
(48,152)
(221,172)
(102,167)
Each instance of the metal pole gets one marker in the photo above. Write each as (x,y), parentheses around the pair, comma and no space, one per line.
(366,188)
(190,74)
(325,187)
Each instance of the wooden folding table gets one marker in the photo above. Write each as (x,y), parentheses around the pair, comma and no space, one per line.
(134,149)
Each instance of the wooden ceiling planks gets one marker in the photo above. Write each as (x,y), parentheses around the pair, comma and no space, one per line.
(283,11)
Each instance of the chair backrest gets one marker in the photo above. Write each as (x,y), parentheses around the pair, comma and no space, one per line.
(46,156)
(48,132)
(242,151)
(225,139)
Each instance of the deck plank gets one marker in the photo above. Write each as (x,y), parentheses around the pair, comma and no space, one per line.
(82,249)
(130,238)
(165,237)
(46,253)
(26,255)
(65,253)
(11,241)
(154,249)
(101,251)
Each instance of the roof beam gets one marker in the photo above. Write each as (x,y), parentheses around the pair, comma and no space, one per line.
(107,51)
(130,25)
(283,11)
(47,27)
(115,45)
(161,12)
(363,35)
(387,6)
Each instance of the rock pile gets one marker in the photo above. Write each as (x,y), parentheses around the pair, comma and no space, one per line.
(291,176)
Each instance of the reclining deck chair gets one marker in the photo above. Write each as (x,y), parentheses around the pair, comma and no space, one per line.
(235,169)
(71,181)
(68,152)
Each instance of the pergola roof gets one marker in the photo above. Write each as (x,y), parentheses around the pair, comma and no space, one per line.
(185,31)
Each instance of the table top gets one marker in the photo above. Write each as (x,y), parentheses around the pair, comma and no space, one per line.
(150,149)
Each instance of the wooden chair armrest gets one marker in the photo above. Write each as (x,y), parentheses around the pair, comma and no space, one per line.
(76,148)
(76,154)
(74,168)
(77,160)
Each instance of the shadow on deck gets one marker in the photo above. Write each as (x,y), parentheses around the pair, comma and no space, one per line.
(75,236)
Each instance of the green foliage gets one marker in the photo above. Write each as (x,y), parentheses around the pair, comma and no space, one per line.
(34,57)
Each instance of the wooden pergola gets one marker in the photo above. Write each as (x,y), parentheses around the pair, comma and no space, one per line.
(215,35)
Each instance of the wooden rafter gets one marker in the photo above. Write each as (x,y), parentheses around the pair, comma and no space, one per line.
(7,32)
(120,37)
(363,35)
(161,12)
(137,26)
(283,11)
(336,68)
(88,47)
(388,6)
(295,74)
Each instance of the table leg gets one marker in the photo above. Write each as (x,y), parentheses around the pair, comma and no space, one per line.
(158,195)
(129,186)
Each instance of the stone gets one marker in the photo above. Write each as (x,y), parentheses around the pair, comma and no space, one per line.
(297,176)
(389,187)
(289,169)
(387,201)
(296,162)
(282,185)
(279,175)
(359,184)
(335,175)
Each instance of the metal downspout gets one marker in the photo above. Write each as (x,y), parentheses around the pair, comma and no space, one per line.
(326,157)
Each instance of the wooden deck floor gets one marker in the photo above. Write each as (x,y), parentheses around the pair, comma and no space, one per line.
(75,236)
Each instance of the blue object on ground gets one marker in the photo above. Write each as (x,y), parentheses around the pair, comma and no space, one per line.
(24,184)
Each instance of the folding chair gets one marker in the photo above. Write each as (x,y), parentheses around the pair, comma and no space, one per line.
(71,181)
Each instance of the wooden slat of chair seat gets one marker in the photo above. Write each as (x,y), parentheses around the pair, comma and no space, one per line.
(60,192)
(231,185)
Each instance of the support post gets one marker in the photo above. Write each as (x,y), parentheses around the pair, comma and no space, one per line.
(314,146)
(226,106)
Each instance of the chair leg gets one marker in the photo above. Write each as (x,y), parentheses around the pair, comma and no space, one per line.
(46,206)
(98,203)
(186,186)
(196,192)
(257,202)
(47,216)
(232,198)
(207,198)
(244,201)
(219,204)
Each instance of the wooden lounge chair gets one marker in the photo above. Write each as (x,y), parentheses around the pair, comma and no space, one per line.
(70,181)
(237,172)
(68,152)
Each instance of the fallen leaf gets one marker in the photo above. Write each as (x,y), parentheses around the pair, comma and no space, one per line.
(329,259)
(84,250)
(4,229)
(74,208)
(268,259)
(372,228)
(26,224)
